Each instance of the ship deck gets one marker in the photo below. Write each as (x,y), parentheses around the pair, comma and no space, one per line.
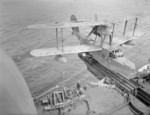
(130,87)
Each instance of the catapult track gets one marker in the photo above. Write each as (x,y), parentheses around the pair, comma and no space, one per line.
(129,87)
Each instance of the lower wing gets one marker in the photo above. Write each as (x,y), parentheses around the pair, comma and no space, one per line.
(65,50)
(126,40)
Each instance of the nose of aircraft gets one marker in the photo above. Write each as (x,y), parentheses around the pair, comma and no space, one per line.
(130,64)
(132,68)
(129,69)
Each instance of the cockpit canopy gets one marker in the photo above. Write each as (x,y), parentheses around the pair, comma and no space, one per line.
(116,53)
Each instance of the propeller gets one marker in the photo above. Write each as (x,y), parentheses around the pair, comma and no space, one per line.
(103,30)
(90,32)
(94,31)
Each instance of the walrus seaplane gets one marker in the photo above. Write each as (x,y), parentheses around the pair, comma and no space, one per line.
(104,51)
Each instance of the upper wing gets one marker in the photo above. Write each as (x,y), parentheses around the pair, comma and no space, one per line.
(66,25)
(66,50)
(79,23)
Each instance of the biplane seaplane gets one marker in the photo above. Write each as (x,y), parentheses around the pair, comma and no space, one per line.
(105,52)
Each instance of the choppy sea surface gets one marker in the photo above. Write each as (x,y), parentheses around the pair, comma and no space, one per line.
(44,73)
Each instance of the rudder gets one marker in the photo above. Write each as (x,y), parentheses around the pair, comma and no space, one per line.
(74,20)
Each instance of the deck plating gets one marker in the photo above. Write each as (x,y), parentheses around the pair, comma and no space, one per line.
(136,95)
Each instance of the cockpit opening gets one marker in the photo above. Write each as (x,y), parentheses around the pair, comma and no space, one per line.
(116,53)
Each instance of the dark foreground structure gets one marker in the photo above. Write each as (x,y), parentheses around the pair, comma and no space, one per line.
(15,97)
(136,95)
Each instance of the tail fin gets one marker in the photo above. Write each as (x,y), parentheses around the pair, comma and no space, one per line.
(74,19)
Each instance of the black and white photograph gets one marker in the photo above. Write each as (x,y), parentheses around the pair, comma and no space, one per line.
(74,57)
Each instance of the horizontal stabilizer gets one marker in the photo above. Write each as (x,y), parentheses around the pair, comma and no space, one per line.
(66,50)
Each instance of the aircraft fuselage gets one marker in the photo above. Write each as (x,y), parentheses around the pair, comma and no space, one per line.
(114,60)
